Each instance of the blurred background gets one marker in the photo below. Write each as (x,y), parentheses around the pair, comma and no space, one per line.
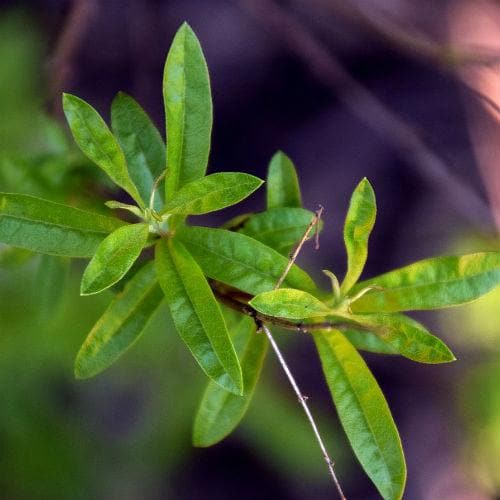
(402,92)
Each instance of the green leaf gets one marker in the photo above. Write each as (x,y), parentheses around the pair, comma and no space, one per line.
(368,341)
(431,284)
(98,143)
(407,337)
(121,325)
(211,193)
(358,226)
(279,228)
(188,110)
(220,412)
(282,183)
(141,143)
(196,315)
(114,257)
(289,303)
(47,227)
(364,413)
(241,261)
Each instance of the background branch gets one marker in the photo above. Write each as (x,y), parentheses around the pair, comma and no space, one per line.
(369,109)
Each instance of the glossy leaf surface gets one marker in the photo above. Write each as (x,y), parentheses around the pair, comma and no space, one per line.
(51,228)
(358,226)
(121,325)
(220,412)
(98,143)
(141,143)
(289,303)
(241,261)
(282,183)
(188,110)
(196,315)
(432,284)
(278,228)
(114,257)
(364,413)
(211,193)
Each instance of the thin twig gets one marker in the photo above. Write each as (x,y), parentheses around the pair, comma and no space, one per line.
(314,221)
(237,301)
(368,108)
(302,400)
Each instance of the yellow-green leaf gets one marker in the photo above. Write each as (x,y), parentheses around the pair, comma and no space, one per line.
(289,303)
(364,413)
(114,257)
(141,143)
(406,337)
(188,110)
(211,193)
(282,183)
(220,411)
(51,228)
(241,261)
(358,226)
(98,143)
(121,325)
(279,228)
(196,315)
(431,284)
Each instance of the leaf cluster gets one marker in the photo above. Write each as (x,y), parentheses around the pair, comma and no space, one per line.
(195,269)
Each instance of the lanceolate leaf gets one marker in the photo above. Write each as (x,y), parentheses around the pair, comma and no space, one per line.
(121,325)
(196,315)
(211,193)
(282,183)
(97,142)
(188,110)
(220,411)
(114,257)
(279,228)
(141,143)
(407,337)
(51,228)
(364,413)
(358,226)
(289,303)
(431,284)
(241,261)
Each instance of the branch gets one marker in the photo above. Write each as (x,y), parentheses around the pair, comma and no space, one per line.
(261,320)
(303,401)
(315,220)
(238,301)
(410,40)
(368,108)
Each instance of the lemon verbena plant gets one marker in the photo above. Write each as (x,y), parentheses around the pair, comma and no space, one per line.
(202,272)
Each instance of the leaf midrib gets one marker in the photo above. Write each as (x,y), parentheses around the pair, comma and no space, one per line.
(48,223)
(216,192)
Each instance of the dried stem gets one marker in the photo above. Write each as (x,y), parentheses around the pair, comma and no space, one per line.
(315,220)
(261,324)
(303,401)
